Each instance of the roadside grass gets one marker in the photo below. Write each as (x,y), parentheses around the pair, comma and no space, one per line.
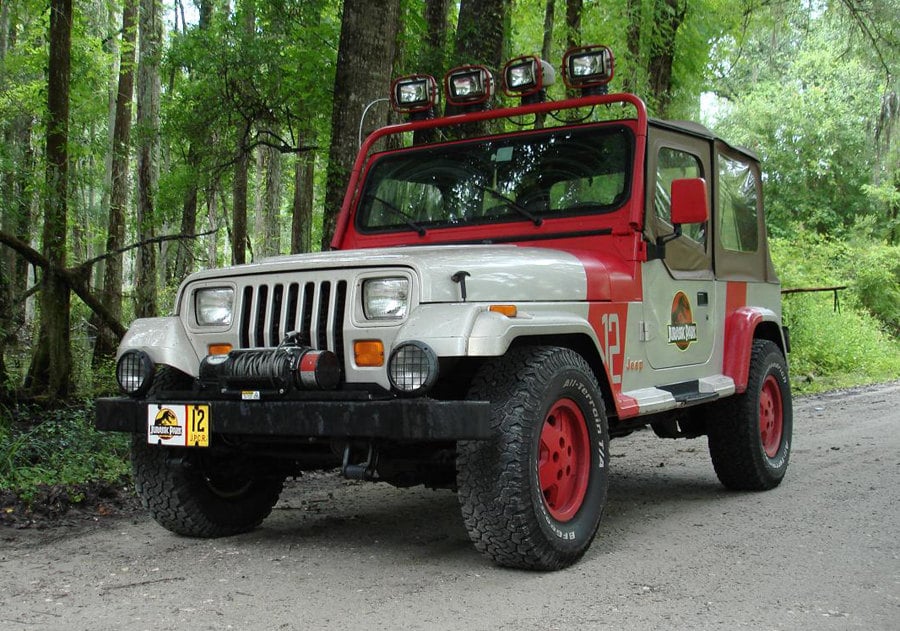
(856,343)
(42,448)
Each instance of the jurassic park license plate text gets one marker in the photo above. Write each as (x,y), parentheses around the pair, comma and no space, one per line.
(178,425)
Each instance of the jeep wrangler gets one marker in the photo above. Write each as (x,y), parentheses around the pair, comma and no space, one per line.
(508,289)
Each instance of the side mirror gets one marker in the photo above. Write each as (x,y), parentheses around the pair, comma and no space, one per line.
(690,203)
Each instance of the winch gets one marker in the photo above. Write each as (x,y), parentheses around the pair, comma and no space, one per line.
(282,369)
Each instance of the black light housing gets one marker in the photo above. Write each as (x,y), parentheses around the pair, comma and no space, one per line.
(588,68)
(134,372)
(414,93)
(413,368)
(469,86)
(528,77)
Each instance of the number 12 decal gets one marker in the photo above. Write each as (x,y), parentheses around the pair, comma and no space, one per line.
(612,346)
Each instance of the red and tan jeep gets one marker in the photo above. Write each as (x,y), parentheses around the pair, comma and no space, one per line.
(508,289)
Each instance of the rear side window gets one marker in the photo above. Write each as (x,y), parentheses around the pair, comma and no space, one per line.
(738,199)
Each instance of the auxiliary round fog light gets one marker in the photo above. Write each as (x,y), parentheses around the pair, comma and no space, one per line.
(413,368)
(134,372)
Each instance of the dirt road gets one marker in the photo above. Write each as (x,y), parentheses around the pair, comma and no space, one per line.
(675,551)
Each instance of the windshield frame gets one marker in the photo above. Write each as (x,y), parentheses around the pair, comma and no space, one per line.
(573,134)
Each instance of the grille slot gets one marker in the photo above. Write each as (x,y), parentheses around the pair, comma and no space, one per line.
(315,310)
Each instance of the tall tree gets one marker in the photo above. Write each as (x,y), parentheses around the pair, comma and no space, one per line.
(481,32)
(574,10)
(242,157)
(148,90)
(435,37)
(111,294)
(667,18)
(365,59)
(51,366)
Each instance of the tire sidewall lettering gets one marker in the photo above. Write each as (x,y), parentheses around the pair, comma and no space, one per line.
(571,385)
(780,460)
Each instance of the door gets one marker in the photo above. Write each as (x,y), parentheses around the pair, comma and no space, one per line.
(679,290)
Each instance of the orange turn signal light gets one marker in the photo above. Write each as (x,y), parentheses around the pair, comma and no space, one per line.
(219,349)
(510,311)
(369,353)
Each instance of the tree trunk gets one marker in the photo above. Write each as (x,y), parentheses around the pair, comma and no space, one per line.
(271,235)
(148,90)
(365,58)
(241,163)
(574,9)
(51,366)
(435,37)
(301,223)
(668,16)
(631,81)
(481,33)
(118,203)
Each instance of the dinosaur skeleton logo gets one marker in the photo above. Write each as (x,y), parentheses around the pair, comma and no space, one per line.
(165,425)
(683,329)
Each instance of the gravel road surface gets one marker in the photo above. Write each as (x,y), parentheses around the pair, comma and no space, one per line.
(675,551)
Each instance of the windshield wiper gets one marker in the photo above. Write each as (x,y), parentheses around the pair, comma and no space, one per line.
(510,203)
(406,218)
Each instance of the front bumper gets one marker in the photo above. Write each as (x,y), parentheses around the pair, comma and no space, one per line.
(398,419)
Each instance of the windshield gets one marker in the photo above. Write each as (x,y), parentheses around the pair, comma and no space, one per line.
(530,177)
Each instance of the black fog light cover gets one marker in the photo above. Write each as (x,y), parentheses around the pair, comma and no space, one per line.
(134,372)
(413,368)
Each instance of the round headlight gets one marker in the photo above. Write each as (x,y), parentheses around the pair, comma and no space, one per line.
(134,372)
(413,368)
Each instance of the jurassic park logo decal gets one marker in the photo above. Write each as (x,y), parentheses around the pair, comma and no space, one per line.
(165,425)
(683,329)
(177,425)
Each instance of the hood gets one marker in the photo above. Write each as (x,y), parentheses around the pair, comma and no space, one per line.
(497,273)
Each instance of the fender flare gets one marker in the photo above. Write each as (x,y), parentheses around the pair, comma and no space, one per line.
(165,341)
(740,329)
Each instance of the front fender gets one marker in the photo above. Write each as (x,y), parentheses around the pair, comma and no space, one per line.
(165,341)
(470,329)
(740,328)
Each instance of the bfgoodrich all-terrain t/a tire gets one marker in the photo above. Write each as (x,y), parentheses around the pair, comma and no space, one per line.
(532,496)
(200,492)
(750,433)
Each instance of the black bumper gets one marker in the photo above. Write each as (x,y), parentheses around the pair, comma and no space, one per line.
(399,419)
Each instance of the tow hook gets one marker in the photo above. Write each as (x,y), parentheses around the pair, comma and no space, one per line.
(363,471)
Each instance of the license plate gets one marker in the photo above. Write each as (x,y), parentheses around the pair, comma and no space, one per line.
(178,425)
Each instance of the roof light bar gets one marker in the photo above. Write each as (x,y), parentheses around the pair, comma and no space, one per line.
(528,77)
(414,93)
(588,68)
(469,85)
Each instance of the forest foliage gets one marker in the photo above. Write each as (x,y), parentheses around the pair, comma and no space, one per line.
(238,130)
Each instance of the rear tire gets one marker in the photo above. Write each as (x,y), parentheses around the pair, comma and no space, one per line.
(199,492)
(533,495)
(750,433)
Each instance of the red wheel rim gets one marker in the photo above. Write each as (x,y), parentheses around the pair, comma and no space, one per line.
(564,460)
(771,416)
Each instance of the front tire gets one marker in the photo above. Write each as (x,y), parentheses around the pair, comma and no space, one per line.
(199,492)
(533,495)
(750,433)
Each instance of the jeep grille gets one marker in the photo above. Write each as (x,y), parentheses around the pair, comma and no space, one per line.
(314,309)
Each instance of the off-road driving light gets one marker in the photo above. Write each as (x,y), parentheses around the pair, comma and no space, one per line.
(469,85)
(134,372)
(214,306)
(588,68)
(413,368)
(385,298)
(528,77)
(414,93)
